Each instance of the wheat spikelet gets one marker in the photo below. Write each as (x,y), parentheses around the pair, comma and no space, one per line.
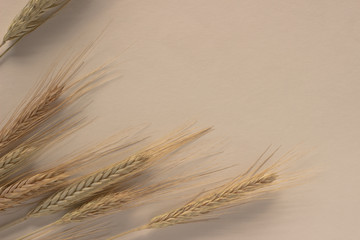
(57,90)
(116,201)
(103,205)
(99,206)
(212,202)
(31,187)
(106,204)
(55,178)
(19,157)
(34,14)
(240,190)
(100,180)
(13,159)
(28,187)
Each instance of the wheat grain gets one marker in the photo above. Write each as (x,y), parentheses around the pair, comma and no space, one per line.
(34,14)
(100,180)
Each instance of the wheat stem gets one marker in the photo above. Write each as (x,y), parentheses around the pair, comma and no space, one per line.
(10,47)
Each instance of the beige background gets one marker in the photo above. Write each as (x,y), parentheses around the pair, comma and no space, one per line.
(262,72)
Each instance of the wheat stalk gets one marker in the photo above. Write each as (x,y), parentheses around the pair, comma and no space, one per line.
(96,182)
(34,14)
(239,190)
(57,90)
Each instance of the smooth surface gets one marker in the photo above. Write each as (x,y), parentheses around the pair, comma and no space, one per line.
(262,72)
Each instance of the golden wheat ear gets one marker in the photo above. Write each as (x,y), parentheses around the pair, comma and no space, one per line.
(32,16)
(33,185)
(113,201)
(57,90)
(20,157)
(240,190)
(29,185)
(96,182)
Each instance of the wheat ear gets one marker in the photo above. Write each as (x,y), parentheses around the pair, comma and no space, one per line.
(78,161)
(116,201)
(19,157)
(31,187)
(238,191)
(57,90)
(98,207)
(34,14)
(100,180)
(110,203)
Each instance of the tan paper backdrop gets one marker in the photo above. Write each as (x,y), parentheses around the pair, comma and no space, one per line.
(261,72)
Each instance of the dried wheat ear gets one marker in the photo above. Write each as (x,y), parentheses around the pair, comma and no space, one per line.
(110,203)
(30,186)
(18,158)
(33,185)
(58,89)
(238,191)
(115,200)
(32,16)
(86,188)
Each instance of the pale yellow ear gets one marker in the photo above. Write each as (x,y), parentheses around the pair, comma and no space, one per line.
(31,187)
(251,185)
(58,89)
(32,16)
